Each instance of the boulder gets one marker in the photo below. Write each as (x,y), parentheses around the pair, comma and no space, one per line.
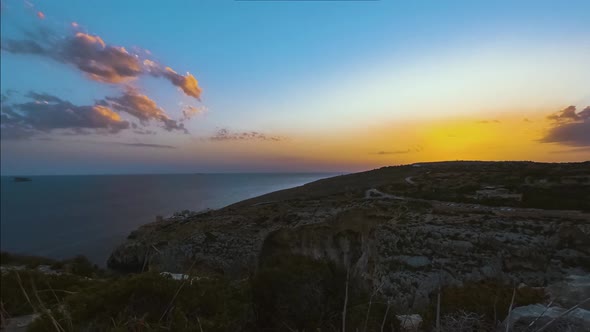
(410,323)
(536,316)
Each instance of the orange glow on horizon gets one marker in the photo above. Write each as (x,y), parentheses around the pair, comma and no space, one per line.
(504,137)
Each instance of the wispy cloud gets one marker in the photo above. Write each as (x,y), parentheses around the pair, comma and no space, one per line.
(227,135)
(189,111)
(148,145)
(392,152)
(576,150)
(409,150)
(46,113)
(129,144)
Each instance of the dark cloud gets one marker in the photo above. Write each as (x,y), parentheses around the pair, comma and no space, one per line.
(569,127)
(143,108)
(572,134)
(227,135)
(569,114)
(98,60)
(101,62)
(23,47)
(46,113)
(14,131)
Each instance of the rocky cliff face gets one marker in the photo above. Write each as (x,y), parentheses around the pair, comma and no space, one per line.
(406,247)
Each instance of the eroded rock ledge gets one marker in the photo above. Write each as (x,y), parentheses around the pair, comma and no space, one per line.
(404,246)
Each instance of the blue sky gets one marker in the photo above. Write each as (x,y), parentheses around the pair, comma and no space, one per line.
(289,81)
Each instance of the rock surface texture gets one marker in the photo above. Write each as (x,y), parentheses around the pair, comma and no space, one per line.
(405,238)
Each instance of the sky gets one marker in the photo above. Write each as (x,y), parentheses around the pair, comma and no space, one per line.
(290,86)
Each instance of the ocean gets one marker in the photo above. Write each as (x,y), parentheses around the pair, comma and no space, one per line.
(64,216)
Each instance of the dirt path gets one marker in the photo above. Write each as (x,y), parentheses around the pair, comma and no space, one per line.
(410,181)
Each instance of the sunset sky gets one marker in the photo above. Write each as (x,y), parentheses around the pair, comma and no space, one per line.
(280,86)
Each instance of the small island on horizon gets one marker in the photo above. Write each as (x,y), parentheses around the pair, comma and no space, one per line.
(21,179)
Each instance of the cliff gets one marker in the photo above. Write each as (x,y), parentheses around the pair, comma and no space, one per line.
(403,231)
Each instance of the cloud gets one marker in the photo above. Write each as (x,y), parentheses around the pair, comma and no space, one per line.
(572,134)
(23,47)
(576,150)
(14,131)
(488,121)
(46,113)
(143,108)
(569,114)
(569,127)
(187,83)
(188,111)
(98,60)
(148,145)
(227,135)
(417,148)
(393,152)
(141,131)
(6,95)
(101,62)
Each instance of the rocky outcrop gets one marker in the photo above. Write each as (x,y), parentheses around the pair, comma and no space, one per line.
(552,319)
(406,247)
(406,250)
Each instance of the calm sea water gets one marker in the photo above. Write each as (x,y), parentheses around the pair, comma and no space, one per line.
(63,216)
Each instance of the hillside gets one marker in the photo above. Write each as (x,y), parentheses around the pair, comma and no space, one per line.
(403,230)
(376,250)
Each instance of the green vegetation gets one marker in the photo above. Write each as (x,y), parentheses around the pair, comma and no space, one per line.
(40,288)
(544,186)
(152,302)
(570,197)
(290,292)
(298,293)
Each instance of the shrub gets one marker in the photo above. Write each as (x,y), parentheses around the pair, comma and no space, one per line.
(43,290)
(159,302)
(299,293)
(489,300)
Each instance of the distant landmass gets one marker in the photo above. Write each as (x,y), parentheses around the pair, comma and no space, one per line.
(21,179)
